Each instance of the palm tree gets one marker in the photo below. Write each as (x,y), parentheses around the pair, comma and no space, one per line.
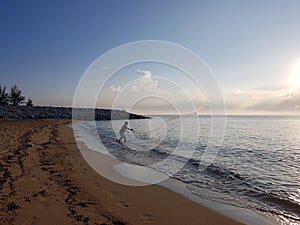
(29,103)
(3,95)
(15,96)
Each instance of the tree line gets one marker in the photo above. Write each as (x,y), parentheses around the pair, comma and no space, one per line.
(14,97)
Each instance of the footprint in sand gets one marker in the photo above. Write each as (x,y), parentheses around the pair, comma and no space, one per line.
(112,193)
(123,204)
(147,218)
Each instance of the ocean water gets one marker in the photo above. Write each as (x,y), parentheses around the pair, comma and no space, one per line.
(257,166)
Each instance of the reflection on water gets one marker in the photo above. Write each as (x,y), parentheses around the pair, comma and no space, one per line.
(257,167)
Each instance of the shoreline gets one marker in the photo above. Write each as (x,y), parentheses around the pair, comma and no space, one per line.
(242,215)
(109,169)
(239,214)
(47,181)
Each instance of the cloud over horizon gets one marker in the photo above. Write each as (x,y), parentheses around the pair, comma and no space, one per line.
(274,100)
(116,89)
(153,94)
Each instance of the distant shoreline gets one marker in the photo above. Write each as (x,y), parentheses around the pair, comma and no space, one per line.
(40,112)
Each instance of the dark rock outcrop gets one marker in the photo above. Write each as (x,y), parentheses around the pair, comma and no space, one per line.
(39,112)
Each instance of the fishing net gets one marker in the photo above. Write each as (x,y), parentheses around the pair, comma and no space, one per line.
(158,128)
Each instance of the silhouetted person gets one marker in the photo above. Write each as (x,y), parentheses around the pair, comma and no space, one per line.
(122,131)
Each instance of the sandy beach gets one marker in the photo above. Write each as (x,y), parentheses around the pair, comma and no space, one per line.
(45,180)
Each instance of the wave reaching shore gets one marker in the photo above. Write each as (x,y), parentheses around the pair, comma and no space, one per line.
(257,167)
(45,180)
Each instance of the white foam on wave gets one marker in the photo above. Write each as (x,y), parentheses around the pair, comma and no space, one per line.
(86,133)
(140,173)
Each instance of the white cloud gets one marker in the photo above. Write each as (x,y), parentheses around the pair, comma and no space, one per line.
(256,94)
(149,93)
(280,99)
(144,73)
(145,83)
(115,89)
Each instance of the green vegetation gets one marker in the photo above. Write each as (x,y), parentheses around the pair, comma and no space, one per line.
(15,97)
(3,95)
(29,103)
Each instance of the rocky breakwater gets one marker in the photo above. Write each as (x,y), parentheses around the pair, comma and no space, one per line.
(39,112)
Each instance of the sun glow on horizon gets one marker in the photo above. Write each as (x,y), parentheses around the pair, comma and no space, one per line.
(294,79)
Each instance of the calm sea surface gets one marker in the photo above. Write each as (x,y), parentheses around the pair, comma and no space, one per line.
(257,166)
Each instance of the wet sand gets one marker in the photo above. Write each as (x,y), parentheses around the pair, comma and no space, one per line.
(45,180)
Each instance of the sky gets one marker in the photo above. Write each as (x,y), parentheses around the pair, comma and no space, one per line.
(252,48)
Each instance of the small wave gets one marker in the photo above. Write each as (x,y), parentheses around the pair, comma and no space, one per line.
(281,203)
(223,173)
(160,152)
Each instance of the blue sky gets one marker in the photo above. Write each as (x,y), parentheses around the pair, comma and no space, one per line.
(252,46)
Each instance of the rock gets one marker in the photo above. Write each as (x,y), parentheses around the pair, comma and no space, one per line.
(37,112)
(12,206)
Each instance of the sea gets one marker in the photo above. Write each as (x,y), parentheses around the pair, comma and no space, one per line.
(254,162)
